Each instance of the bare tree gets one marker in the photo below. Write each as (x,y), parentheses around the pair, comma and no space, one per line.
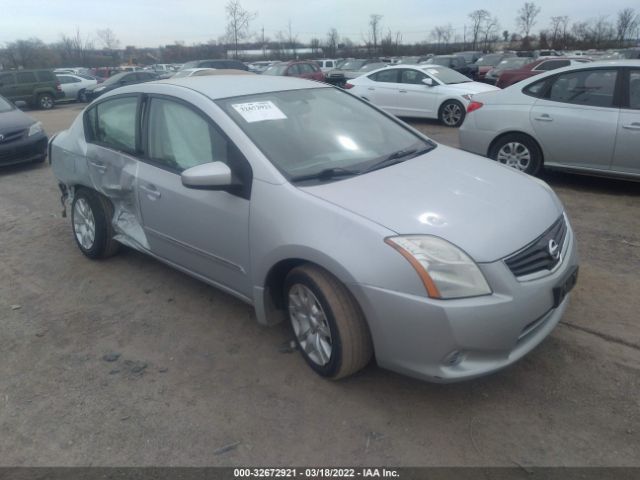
(490,31)
(75,48)
(108,39)
(602,31)
(478,19)
(527,16)
(332,42)
(559,26)
(28,53)
(292,38)
(505,35)
(626,24)
(375,28)
(314,43)
(238,20)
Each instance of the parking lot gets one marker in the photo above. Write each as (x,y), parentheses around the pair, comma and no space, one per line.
(128,362)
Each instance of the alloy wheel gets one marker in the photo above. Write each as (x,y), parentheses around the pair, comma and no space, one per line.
(310,324)
(84,224)
(515,155)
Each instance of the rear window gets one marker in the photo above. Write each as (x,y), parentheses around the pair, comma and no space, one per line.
(552,65)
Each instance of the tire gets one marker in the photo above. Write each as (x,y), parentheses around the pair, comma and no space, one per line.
(451,113)
(339,315)
(82,96)
(91,209)
(45,101)
(518,151)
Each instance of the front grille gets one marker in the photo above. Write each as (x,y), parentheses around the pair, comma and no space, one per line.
(536,256)
(12,136)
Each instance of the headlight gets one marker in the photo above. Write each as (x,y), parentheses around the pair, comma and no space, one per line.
(445,270)
(35,128)
(467,97)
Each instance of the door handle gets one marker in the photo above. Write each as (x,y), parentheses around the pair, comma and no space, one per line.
(632,126)
(101,167)
(544,118)
(402,91)
(151,191)
(371,88)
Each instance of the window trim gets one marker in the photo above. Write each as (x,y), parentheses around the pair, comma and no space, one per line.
(136,152)
(625,87)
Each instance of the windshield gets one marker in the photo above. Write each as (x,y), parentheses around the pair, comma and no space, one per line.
(5,106)
(276,70)
(306,132)
(488,60)
(445,75)
(192,64)
(512,63)
(352,65)
(115,79)
(183,73)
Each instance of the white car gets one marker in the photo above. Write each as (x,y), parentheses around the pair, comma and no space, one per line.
(582,118)
(426,91)
(75,86)
(326,64)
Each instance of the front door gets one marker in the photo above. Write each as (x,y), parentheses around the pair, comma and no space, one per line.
(203,231)
(415,99)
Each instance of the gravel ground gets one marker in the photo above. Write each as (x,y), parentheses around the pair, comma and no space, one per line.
(128,362)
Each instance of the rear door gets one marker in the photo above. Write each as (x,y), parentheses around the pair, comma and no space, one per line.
(203,231)
(382,91)
(8,87)
(626,157)
(577,118)
(26,83)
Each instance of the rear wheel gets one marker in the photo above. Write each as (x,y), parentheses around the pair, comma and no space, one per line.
(518,151)
(330,330)
(45,101)
(451,113)
(91,216)
(82,96)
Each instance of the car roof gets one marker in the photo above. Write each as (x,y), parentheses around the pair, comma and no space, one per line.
(225,86)
(585,66)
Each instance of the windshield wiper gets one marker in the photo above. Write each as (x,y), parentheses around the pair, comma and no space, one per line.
(326,174)
(397,157)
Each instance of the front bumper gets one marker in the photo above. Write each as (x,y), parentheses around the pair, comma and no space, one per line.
(452,340)
(23,150)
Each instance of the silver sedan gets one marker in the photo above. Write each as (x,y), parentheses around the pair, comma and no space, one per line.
(584,119)
(317,208)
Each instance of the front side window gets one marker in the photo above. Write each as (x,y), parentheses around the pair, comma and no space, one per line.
(112,123)
(634,89)
(307,132)
(586,87)
(180,138)
(412,76)
(6,79)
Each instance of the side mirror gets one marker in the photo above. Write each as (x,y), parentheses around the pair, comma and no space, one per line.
(428,82)
(208,176)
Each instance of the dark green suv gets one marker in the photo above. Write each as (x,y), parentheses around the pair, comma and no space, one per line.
(39,88)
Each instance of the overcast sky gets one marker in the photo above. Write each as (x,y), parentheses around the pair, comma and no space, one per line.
(150,23)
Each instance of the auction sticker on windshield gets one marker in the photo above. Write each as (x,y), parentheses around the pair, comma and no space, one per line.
(259,111)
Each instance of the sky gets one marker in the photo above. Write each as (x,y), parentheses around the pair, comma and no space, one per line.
(152,23)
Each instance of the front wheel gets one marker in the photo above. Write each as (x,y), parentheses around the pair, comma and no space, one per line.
(518,151)
(330,330)
(82,96)
(91,216)
(451,113)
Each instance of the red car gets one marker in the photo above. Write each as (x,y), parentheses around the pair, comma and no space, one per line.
(300,69)
(487,62)
(509,77)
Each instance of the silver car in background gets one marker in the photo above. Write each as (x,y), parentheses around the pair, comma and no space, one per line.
(317,208)
(582,118)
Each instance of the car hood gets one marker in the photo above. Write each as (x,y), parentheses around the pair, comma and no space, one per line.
(470,88)
(14,120)
(487,209)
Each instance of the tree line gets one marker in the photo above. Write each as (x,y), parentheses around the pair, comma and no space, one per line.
(481,32)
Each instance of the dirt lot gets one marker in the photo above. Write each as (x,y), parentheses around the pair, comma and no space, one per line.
(198,382)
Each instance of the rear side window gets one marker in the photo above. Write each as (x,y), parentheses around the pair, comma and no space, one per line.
(294,70)
(586,87)
(112,123)
(387,76)
(26,77)
(535,89)
(46,76)
(634,89)
(552,65)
